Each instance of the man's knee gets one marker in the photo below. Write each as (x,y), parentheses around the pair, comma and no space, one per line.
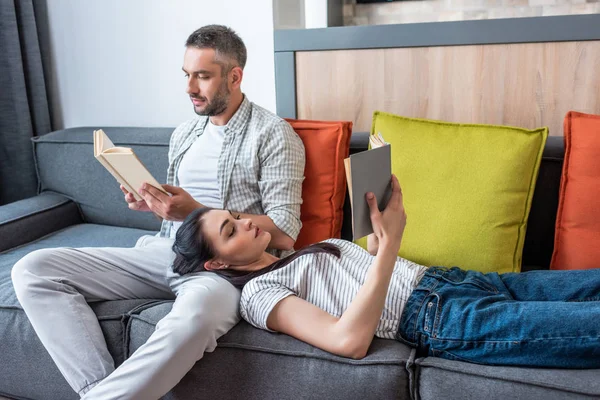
(31,268)
(210,313)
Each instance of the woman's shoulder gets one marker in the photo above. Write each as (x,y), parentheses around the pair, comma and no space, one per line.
(347,247)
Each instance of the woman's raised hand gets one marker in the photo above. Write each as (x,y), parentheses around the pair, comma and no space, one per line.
(389,224)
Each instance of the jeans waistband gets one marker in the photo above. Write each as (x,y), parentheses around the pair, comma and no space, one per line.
(407,329)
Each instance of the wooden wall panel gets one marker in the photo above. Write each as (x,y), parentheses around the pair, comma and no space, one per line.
(526,85)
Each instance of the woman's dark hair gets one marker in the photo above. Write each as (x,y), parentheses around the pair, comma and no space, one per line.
(192,250)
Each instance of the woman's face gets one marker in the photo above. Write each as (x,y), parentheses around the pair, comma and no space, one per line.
(237,242)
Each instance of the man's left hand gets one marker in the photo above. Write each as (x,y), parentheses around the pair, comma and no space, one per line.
(172,208)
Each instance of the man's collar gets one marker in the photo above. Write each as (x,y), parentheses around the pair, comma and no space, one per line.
(239,119)
(236,122)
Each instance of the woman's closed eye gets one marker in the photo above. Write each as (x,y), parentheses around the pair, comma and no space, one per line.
(233,226)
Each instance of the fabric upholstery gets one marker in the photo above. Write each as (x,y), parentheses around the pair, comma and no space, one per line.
(467,189)
(539,239)
(255,364)
(72,150)
(577,240)
(326,145)
(27,371)
(48,212)
(454,380)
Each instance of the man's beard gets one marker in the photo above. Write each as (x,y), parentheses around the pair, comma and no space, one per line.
(218,104)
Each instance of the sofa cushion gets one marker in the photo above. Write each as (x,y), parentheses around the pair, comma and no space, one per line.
(467,189)
(326,144)
(47,212)
(254,364)
(23,356)
(87,180)
(577,240)
(439,379)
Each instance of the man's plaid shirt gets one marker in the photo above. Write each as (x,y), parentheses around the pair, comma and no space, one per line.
(260,169)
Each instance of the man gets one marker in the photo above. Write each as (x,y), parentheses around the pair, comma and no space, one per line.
(233,155)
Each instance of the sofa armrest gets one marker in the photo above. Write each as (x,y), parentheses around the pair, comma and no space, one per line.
(26,220)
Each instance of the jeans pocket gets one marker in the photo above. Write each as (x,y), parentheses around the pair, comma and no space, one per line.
(458,277)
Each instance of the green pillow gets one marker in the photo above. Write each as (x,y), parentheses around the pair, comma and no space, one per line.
(467,190)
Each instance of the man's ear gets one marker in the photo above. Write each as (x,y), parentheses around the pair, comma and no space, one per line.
(212,265)
(236,76)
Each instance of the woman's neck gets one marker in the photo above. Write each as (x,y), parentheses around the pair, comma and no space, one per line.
(264,261)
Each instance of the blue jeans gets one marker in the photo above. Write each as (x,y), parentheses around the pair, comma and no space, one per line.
(537,318)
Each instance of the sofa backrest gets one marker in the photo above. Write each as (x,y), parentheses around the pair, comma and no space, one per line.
(65,164)
(539,240)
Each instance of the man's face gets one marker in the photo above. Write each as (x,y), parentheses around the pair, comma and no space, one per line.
(206,84)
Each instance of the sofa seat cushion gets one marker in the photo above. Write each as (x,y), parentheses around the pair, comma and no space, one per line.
(438,379)
(20,345)
(253,364)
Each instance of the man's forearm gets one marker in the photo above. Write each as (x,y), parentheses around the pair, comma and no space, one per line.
(279,240)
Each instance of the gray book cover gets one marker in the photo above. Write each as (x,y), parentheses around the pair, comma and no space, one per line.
(370,171)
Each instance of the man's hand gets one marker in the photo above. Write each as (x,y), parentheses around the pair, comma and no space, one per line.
(172,208)
(133,203)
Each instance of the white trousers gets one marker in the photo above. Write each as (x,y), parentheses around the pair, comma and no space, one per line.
(54,287)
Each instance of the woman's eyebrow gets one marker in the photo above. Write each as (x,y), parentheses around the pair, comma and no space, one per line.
(223,226)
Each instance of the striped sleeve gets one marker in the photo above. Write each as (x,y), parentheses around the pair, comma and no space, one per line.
(258,301)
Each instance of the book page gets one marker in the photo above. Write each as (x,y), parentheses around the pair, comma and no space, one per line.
(123,165)
(101,142)
(131,169)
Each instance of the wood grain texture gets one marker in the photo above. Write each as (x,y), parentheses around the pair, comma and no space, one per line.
(526,85)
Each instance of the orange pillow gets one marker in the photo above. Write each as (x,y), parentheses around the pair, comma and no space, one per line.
(327,143)
(577,238)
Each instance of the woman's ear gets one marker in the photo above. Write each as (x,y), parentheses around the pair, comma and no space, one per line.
(212,265)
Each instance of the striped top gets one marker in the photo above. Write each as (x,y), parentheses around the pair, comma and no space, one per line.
(330,284)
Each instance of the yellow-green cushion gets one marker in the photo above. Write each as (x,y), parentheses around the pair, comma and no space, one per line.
(467,189)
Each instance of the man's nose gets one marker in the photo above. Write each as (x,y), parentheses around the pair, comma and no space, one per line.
(191,87)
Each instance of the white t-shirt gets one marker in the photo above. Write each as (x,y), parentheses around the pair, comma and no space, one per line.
(197,173)
(330,284)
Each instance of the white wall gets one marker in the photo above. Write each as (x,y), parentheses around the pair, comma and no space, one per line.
(116,62)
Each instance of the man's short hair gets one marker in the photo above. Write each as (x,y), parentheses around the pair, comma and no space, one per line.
(227,45)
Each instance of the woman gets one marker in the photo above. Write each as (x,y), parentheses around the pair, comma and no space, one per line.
(336,296)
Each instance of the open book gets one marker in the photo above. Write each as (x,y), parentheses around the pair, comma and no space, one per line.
(123,164)
(368,171)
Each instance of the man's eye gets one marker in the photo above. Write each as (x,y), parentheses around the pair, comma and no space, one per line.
(186,75)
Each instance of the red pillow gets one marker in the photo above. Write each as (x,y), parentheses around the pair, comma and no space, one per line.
(577,238)
(327,144)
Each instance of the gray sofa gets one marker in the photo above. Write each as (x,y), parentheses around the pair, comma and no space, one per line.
(80,205)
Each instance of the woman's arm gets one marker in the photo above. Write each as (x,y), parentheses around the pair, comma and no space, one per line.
(352,333)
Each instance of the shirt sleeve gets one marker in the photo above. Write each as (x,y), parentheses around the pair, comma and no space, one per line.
(258,301)
(282,161)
